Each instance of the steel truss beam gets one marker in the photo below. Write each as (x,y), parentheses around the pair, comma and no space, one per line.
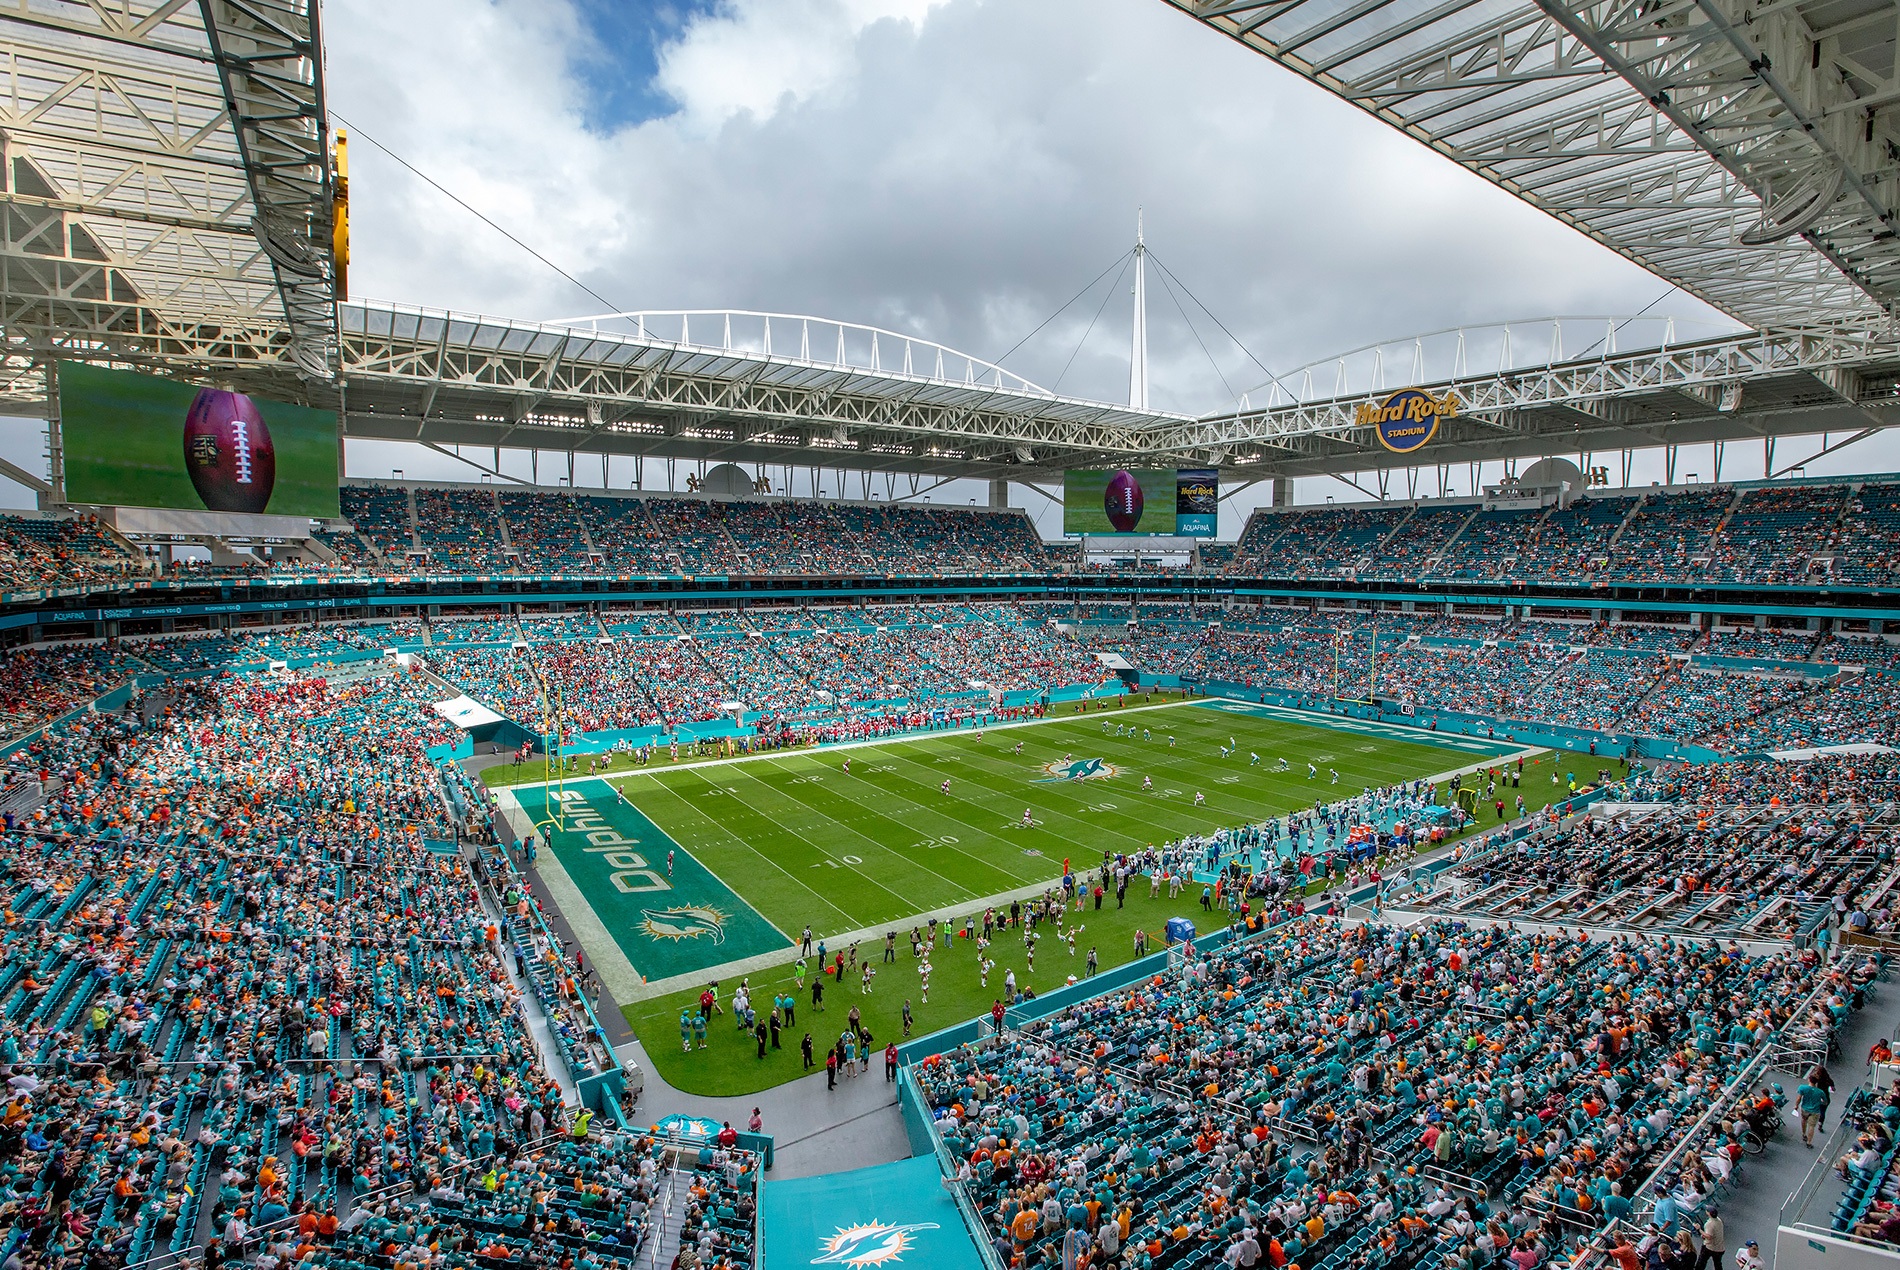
(270,60)
(1747,386)
(448,379)
(142,145)
(1746,152)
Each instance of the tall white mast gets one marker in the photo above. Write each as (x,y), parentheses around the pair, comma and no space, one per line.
(1138,352)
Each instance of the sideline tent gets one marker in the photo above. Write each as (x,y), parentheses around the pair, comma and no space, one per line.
(471,716)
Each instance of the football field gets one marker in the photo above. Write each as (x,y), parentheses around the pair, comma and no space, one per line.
(801,840)
(699,867)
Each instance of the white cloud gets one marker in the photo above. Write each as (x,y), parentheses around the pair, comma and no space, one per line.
(753,55)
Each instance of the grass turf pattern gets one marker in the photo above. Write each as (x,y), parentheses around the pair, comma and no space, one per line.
(730,1065)
(803,841)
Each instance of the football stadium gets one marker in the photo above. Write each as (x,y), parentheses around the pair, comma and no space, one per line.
(881,820)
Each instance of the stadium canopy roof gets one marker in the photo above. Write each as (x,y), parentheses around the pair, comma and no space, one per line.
(1745,151)
(167,196)
(168,204)
(748,387)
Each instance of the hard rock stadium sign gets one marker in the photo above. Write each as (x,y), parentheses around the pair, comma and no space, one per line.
(1406,420)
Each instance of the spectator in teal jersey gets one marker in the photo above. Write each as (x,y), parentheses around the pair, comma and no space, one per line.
(1812,1103)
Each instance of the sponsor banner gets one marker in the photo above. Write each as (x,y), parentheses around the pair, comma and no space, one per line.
(1408,419)
(1197,502)
(666,922)
(892,1215)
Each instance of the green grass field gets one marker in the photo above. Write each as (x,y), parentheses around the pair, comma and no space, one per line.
(801,842)
(804,842)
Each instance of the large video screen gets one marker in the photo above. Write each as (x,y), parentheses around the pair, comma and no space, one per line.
(135,440)
(1182,502)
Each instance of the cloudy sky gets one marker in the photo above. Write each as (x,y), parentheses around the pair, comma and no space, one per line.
(959,169)
(956,169)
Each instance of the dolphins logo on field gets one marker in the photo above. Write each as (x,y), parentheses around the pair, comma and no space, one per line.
(871,1243)
(685,921)
(1081,769)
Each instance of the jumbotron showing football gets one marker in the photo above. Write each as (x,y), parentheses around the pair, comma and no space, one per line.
(228,452)
(1123,501)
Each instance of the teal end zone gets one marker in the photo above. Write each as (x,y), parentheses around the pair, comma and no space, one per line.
(893,1215)
(617,857)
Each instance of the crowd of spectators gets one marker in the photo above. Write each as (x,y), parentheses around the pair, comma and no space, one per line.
(1865,549)
(1686,703)
(793,663)
(1623,678)
(1571,542)
(462,530)
(381,514)
(544,530)
(193,935)
(1848,709)
(1851,781)
(1773,536)
(1700,869)
(37,685)
(245,1006)
(51,553)
(1760,644)
(780,666)
(1339,1095)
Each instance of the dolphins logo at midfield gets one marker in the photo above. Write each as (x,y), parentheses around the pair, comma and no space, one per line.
(871,1243)
(1081,769)
(684,921)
